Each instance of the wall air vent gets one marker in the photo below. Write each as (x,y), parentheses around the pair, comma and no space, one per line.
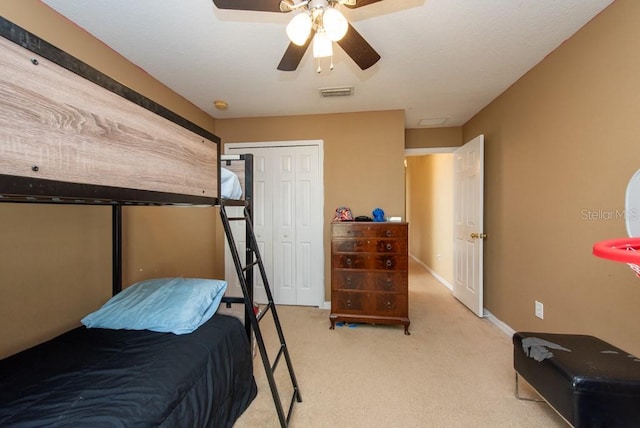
(342,91)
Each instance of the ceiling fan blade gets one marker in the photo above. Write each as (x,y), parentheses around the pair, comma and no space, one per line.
(293,55)
(360,3)
(257,5)
(358,49)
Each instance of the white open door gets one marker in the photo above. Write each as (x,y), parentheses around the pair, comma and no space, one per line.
(469,224)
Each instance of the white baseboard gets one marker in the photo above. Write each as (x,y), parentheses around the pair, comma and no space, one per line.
(498,323)
(326,305)
(488,315)
(440,279)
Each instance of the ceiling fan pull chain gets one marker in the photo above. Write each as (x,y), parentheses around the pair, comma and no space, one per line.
(331,64)
(319,70)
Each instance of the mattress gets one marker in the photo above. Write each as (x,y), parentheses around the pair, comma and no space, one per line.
(230,186)
(98,377)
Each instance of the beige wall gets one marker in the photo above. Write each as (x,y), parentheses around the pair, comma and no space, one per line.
(430,212)
(417,138)
(363,159)
(560,146)
(56,260)
(162,242)
(54,268)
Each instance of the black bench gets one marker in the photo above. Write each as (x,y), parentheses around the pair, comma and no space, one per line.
(589,382)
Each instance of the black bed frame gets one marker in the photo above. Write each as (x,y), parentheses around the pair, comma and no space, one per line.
(34,190)
(246,202)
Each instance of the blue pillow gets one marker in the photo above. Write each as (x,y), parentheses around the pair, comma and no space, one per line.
(176,305)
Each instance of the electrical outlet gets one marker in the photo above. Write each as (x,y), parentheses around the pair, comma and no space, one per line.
(539,310)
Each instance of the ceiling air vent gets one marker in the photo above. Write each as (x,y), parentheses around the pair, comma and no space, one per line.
(343,91)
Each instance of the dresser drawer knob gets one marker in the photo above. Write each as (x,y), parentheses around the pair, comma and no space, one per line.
(389,247)
(349,262)
(389,282)
(389,304)
(389,263)
(348,303)
(348,280)
(389,233)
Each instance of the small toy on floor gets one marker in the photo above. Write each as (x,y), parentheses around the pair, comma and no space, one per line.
(350,325)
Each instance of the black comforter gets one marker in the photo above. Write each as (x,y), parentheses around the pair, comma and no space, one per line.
(121,378)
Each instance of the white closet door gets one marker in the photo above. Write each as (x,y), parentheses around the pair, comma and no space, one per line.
(237,229)
(262,219)
(296,250)
(284,226)
(288,221)
(308,217)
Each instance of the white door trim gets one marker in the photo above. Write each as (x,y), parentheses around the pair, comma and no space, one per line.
(429,151)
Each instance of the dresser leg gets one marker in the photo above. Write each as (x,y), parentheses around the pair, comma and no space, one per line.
(333,325)
(406,330)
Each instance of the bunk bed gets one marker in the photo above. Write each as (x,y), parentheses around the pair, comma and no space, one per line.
(71,135)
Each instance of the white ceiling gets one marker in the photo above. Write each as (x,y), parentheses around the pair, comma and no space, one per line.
(440,58)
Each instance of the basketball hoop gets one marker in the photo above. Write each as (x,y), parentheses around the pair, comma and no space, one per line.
(625,250)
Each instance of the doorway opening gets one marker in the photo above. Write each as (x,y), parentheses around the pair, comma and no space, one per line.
(429,208)
(466,170)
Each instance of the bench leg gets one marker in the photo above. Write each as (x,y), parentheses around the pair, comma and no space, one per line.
(537,400)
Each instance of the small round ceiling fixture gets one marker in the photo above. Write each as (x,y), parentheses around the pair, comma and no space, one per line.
(221,105)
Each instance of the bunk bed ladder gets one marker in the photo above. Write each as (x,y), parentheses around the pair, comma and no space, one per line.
(245,272)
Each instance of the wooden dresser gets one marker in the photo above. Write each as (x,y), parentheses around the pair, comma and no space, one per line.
(369,273)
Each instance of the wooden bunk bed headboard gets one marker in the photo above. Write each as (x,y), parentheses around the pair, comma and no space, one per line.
(91,139)
(70,134)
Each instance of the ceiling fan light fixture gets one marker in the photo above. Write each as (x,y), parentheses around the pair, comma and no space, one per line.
(299,28)
(334,23)
(322,45)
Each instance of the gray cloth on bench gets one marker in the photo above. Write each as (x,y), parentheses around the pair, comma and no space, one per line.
(538,349)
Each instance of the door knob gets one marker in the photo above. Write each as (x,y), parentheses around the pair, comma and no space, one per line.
(478,235)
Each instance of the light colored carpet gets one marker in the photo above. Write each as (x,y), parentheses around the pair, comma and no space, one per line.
(454,370)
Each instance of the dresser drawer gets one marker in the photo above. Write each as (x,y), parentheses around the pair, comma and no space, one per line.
(348,279)
(368,230)
(361,303)
(391,305)
(369,245)
(349,302)
(370,261)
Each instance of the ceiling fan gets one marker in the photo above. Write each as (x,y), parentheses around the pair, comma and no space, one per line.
(318,21)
